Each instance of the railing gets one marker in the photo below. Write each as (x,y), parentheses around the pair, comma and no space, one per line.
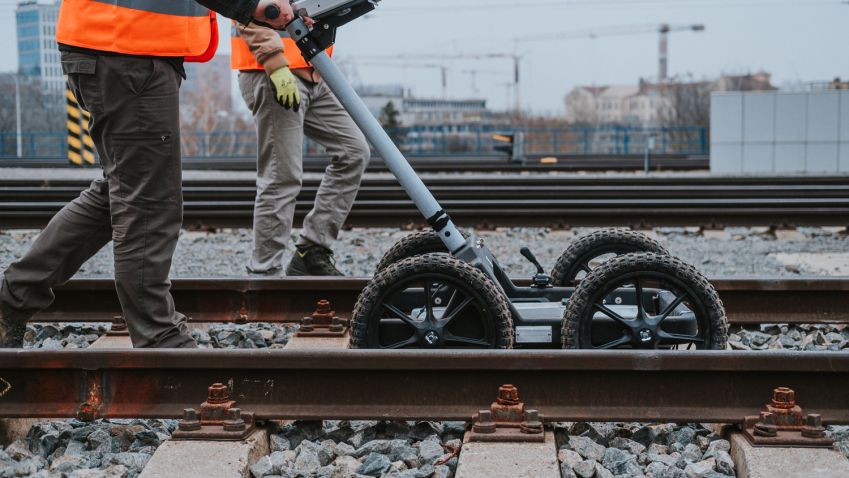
(421,141)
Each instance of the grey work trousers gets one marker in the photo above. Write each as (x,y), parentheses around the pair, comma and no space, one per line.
(280,139)
(138,205)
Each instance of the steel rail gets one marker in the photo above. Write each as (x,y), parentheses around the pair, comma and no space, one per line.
(407,385)
(508,200)
(748,300)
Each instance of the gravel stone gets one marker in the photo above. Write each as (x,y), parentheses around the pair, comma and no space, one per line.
(683,436)
(375,464)
(585,469)
(700,469)
(692,453)
(620,462)
(586,447)
(569,457)
(715,446)
(724,463)
(566,471)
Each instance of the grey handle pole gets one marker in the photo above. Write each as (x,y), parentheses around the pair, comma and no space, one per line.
(392,156)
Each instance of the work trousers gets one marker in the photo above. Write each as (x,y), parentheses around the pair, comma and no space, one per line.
(135,125)
(280,139)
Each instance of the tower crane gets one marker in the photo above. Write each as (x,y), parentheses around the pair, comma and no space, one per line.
(388,63)
(516,59)
(663,30)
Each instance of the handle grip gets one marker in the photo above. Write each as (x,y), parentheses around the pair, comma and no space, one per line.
(272,12)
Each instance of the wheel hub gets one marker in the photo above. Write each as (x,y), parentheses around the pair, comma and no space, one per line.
(646,336)
(431,337)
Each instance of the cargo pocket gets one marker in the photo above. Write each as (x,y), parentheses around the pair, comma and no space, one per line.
(146,168)
(82,78)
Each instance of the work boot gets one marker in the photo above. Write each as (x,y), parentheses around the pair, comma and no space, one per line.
(11,332)
(312,260)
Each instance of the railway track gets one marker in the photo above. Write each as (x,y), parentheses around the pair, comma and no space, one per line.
(355,384)
(747,300)
(447,163)
(505,200)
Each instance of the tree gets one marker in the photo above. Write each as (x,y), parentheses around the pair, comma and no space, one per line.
(391,122)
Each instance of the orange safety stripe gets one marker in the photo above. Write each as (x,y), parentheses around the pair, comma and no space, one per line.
(141,29)
(242,59)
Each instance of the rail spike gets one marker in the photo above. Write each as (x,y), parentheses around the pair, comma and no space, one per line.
(783,423)
(507,420)
(219,419)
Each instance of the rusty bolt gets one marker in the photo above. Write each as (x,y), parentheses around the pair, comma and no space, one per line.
(218,393)
(484,423)
(784,398)
(323,308)
(766,426)
(532,424)
(813,426)
(234,421)
(336,325)
(508,395)
(243,315)
(306,325)
(118,324)
(190,422)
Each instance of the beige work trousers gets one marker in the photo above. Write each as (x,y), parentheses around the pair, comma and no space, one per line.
(280,142)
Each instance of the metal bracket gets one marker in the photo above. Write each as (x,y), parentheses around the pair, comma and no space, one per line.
(507,420)
(323,323)
(784,424)
(219,419)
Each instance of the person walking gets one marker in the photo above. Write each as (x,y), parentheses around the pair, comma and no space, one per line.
(124,62)
(272,73)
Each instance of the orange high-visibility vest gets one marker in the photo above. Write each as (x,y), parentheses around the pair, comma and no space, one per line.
(242,59)
(140,27)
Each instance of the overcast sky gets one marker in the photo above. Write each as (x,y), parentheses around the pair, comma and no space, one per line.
(796,40)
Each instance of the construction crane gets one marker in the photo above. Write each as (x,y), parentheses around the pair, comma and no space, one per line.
(386,63)
(515,58)
(626,30)
(473,72)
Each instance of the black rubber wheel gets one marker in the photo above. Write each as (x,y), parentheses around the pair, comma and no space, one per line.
(431,301)
(579,257)
(683,309)
(416,244)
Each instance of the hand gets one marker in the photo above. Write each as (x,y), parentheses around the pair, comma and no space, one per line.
(286,89)
(309,22)
(286,13)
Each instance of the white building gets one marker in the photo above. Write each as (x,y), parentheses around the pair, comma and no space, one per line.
(38,53)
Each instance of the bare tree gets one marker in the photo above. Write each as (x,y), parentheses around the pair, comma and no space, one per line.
(687,113)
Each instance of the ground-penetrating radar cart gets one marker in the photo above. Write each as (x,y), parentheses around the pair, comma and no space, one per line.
(445,289)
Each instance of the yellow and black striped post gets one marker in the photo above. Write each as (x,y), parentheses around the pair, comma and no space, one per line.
(80,145)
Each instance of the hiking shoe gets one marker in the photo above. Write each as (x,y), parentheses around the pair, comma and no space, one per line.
(312,260)
(11,332)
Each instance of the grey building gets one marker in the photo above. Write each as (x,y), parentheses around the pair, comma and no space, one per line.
(38,53)
(424,111)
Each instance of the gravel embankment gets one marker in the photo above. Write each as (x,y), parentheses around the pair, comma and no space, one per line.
(739,252)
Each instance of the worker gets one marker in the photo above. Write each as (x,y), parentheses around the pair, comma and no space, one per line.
(124,62)
(273,73)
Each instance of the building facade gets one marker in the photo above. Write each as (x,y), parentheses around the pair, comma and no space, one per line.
(38,53)
(648,104)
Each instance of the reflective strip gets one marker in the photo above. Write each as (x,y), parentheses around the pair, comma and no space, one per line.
(182,8)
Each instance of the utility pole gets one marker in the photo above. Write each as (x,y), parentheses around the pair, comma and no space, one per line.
(18,114)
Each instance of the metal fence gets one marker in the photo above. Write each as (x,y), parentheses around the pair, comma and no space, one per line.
(421,141)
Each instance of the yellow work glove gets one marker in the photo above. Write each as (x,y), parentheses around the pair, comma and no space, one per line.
(286,89)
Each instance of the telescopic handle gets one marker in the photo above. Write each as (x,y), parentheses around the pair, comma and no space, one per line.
(272,12)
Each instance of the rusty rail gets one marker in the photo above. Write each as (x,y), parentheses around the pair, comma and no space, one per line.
(747,300)
(452,385)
